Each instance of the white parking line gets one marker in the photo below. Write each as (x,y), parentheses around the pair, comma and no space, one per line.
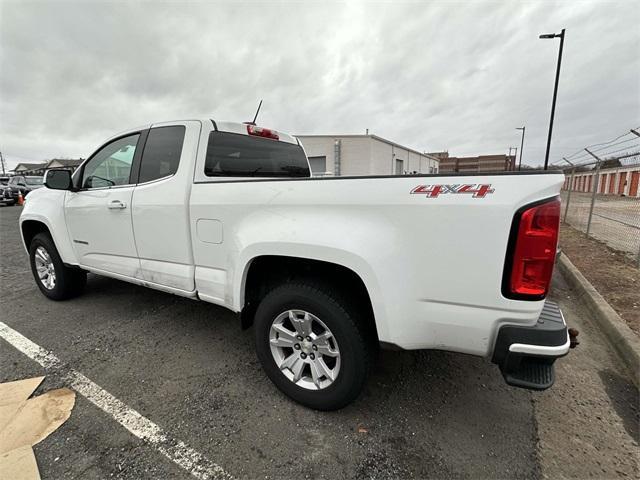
(175,450)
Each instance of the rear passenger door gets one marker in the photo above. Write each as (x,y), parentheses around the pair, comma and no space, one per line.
(160,205)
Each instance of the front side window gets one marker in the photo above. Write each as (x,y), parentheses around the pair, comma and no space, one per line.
(111,166)
(162,152)
(235,155)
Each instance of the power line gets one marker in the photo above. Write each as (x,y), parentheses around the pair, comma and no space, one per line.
(614,144)
(582,152)
(620,150)
(609,154)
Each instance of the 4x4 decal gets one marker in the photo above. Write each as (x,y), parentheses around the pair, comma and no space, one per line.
(433,191)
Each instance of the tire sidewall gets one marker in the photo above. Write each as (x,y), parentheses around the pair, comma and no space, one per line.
(44,241)
(353,364)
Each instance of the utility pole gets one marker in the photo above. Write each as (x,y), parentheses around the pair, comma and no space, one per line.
(521,147)
(2,162)
(555,91)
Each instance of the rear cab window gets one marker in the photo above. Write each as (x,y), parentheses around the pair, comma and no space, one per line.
(236,155)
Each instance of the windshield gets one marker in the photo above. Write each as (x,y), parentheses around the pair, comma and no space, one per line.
(34,180)
(234,155)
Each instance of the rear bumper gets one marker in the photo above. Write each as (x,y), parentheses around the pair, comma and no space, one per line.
(526,355)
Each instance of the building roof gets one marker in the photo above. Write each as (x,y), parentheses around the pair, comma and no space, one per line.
(21,167)
(65,162)
(375,137)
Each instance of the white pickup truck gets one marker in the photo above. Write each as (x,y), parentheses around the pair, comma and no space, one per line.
(325,269)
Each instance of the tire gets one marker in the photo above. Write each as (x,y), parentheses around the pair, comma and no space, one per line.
(67,282)
(327,311)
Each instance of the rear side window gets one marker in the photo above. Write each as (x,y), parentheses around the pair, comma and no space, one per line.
(161,154)
(234,155)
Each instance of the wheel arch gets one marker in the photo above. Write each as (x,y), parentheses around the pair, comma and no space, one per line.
(264,272)
(30,226)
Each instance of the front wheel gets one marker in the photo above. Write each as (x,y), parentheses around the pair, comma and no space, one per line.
(55,280)
(313,345)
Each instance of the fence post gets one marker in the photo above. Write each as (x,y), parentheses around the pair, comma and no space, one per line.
(595,189)
(566,208)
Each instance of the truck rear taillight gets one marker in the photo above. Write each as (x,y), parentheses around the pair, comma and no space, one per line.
(262,132)
(532,251)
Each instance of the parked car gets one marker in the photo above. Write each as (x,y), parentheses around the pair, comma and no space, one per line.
(4,180)
(24,184)
(325,269)
(6,198)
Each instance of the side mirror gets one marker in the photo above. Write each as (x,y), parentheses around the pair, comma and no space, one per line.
(58,180)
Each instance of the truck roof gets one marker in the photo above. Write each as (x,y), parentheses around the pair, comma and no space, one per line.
(220,126)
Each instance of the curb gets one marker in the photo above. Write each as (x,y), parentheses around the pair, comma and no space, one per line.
(621,337)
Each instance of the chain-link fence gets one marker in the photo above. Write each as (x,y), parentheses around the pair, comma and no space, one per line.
(601,192)
(603,200)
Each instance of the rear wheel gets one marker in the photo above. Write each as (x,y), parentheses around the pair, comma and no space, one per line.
(55,280)
(313,345)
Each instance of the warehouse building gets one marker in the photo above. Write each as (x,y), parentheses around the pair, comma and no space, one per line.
(358,155)
(621,180)
(481,163)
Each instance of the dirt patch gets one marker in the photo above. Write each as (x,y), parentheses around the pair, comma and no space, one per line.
(612,273)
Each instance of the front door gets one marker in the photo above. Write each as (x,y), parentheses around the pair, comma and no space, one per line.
(99,214)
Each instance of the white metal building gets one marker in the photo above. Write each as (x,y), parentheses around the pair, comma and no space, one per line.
(343,155)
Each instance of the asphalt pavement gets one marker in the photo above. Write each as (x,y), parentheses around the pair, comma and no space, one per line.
(189,368)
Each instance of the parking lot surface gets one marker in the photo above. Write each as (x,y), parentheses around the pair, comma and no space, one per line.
(187,367)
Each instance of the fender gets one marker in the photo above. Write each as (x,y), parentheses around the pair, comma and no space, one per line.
(47,207)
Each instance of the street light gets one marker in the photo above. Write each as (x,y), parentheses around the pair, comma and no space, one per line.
(521,145)
(555,91)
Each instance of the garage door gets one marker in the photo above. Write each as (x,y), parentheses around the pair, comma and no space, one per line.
(621,182)
(612,179)
(633,188)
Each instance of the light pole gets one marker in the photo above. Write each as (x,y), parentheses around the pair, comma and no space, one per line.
(555,90)
(521,145)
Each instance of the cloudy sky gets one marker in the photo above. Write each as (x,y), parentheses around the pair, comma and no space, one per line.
(443,75)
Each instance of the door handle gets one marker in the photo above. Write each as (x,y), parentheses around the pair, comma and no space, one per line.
(117,204)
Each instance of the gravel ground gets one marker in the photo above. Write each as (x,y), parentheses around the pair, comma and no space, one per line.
(615,220)
(189,368)
(612,273)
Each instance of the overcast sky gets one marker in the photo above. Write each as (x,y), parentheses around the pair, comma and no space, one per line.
(456,76)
